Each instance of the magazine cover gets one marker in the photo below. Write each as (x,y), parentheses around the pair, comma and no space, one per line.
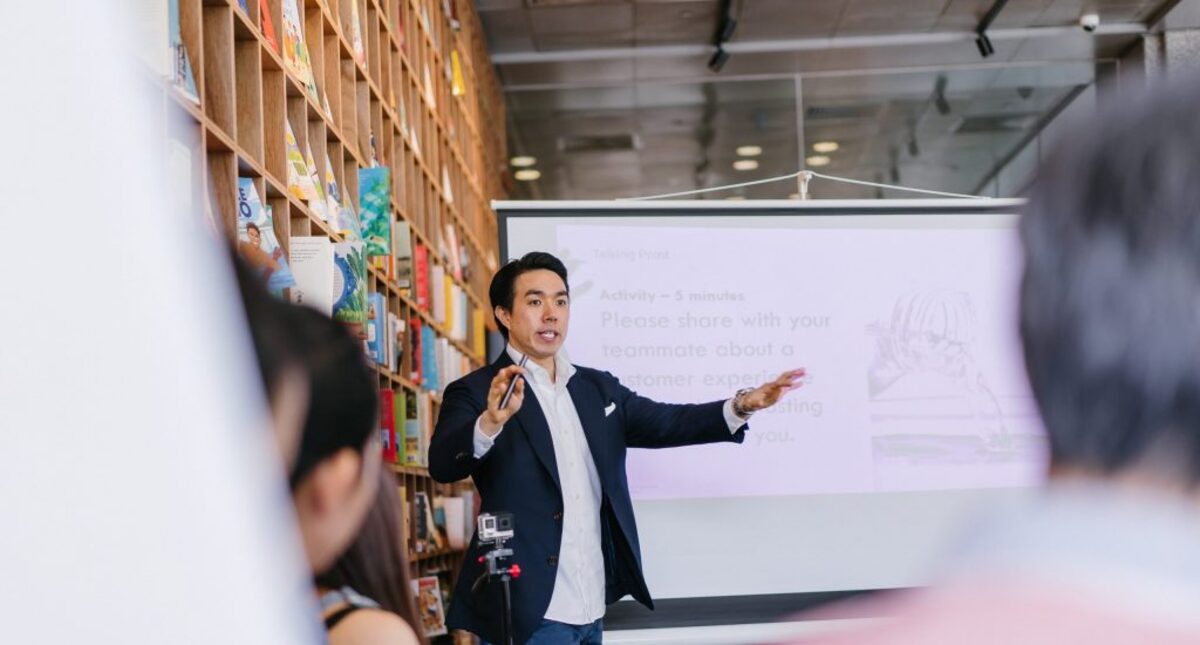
(374,198)
(429,605)
(257,244)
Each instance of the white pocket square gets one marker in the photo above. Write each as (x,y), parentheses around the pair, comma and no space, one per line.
(610,408)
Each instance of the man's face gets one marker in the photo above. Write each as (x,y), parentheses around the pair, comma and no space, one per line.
(537,324)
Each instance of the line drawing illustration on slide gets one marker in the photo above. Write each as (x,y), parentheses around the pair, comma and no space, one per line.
(931,400)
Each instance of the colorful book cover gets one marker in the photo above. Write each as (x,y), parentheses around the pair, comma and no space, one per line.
(429,366)
(350,286)
(245,9)
(316,198)
(421,275)
(268,27)
(400,414)
(257,244)
(376,327)
(414,354)
(313,267)
(451,8)
(356,34)
(403,254)
(298,179)
(295,52)
(412,429)
(182,76)
(387,425)
(374,197)
(396,327)
(422,524)
(333,200)
(458,85)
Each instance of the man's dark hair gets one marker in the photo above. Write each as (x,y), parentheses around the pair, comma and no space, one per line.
(343,400)
(1110,298)
(502,293)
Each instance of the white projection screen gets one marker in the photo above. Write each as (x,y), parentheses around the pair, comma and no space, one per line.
(916,416)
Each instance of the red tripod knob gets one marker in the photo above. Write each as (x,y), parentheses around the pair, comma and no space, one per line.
(515,571)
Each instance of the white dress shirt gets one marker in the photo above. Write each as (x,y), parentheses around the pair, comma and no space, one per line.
(578,596)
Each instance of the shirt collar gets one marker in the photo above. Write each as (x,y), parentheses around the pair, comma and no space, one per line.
(562,365)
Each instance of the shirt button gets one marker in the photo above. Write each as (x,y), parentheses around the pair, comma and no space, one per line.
(558,516)
(552,560)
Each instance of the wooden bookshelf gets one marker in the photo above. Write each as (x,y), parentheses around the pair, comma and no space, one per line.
(397,105)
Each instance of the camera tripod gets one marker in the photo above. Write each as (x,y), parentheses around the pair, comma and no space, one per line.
(498,567)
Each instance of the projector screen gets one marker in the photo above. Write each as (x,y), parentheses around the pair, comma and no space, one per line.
(916,412)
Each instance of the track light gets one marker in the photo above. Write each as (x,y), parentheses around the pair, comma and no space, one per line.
(718,59)
(985,45)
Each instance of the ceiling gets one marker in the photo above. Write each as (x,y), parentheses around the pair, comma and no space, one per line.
(615,98)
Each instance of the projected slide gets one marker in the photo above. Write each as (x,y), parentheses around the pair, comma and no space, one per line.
(908,334)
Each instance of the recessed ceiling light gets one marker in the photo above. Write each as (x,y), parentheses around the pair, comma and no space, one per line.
(745,164)
(825,146)
(817,161)
(749,151)
(528,174)
(523,161)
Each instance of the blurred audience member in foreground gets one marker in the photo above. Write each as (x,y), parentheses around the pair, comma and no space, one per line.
(1110,323)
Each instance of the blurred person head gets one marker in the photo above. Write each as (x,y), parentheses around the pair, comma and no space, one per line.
(336,471)
(1110,297)
(280,361)
(376,566)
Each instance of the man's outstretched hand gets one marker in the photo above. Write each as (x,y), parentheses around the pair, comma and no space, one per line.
(768,394)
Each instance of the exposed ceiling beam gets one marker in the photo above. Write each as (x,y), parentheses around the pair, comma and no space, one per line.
(805,44)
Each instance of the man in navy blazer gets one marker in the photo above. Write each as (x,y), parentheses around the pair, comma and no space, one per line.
(558,464)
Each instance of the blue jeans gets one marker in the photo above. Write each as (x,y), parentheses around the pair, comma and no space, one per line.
(550,632)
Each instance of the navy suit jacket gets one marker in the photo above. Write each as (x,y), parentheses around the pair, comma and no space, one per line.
(519,475)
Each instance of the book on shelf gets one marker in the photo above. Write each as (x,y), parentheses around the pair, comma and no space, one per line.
(402,253)
(453,251)
(295,51)
(478,332)
(429,365)
(400,417)
(425,534)
(446,187)
(256,241)
(458,85)
(414,353)
(421,275)
(395,341)
(299,179)
(350,286)
(429,95)
(313,267)
(430,610)
(377,328)
(267,26)
(356,39)
(182,77)
(242,5)
(450,7)
(387,425)
(413,454)
(316,196)
(455,516)
(375,204)
(437,288)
